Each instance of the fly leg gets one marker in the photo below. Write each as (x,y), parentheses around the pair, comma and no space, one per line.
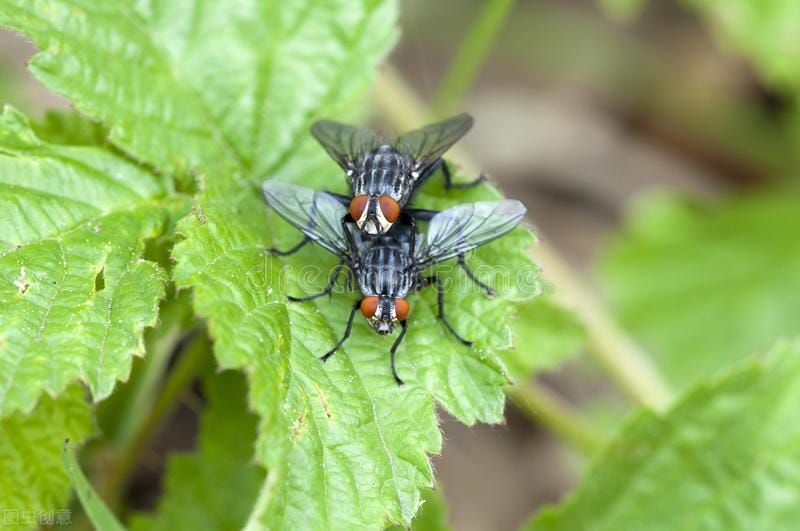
(346,331)
(278,252)
(440,300)
(448,179)
(421,214)
(328,288)
(488,289)
(412,222)
(394,350)
(350,241)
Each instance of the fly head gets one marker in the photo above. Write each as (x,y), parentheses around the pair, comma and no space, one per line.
(374,214)
(384,312)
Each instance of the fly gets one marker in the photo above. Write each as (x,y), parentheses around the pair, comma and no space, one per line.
(389,267)
(383,176)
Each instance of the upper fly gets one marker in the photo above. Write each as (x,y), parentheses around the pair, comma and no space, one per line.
(383,177)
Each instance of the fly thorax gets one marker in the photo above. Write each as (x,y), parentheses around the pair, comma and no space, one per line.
(385,171)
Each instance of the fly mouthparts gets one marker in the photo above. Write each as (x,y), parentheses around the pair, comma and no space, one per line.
(370,227)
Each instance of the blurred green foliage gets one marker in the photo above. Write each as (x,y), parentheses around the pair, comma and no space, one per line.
(703,284)
(767,32)
(33,476)
(545,336)
(214,487)
(725,457)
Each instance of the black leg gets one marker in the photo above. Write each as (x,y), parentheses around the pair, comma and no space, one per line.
(351,243)
(328,288)
(413,229)
(346,331)
(440,300)
(488,289)
(421,214)
(349,279)
(448,179)
(278,252)
(394,350)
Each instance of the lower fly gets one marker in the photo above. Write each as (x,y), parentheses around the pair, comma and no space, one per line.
(389,267)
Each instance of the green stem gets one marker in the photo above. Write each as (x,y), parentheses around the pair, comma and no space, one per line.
(174,317)
(188,366)
(627,364)
(470,56)
(144,393)
(95,510)
(541,405)
(624,360)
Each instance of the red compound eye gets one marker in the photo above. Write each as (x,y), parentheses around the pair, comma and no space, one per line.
(369,305)
(401,309)
(357,206)
(390,208)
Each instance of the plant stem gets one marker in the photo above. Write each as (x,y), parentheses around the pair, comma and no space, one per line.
(188,366)
(144,393)
(541,405)
(611,347)
(174,314)
(471,54)
(625,361)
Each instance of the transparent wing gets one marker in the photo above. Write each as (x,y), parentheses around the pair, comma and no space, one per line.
(464,227)
(344,143)
(315,214)
(427,145)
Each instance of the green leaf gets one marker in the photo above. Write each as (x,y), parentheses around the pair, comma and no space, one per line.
(69,128)
(101,517)
(704,284)
(75,294)
(433,514)
(726,456)
(220,481)
(766,31)
(545,336)
(347,445)
(186,83)
(33,481)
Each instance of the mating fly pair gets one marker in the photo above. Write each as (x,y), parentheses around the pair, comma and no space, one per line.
(389,264)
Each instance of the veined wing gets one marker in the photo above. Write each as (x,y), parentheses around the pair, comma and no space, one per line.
(315,214)
(427,145)
(344,143)
(464,227)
